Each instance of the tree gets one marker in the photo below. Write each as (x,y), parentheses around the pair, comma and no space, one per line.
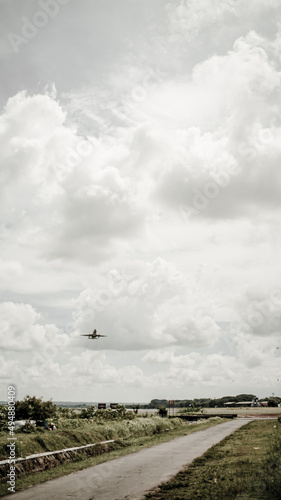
(32,408)
(3,417)
(273,402)
(87,412)
(162,411)
(136,408)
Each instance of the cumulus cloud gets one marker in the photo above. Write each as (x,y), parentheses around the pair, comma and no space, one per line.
(173,307)
(217,168)
(9,369)
(95,368)
(10,271)
(260,312)
(194,368)
(140,196)
(204,25)
(21,329)
(191,18)
(250,364)
(58,184)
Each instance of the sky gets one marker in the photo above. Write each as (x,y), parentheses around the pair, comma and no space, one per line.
(140,194)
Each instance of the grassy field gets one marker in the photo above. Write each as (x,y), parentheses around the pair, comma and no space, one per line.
(244,466)
(273,412)
(145,433)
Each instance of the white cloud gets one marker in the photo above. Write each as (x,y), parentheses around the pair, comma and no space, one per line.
(10,271)
(217,168)
(9,369)
(248,367)
(140,195)
(190,18)
(58,184)
(202,24)
(260,312)
(21,329)
(169,303)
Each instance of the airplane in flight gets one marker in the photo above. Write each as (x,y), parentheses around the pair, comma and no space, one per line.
(93,335)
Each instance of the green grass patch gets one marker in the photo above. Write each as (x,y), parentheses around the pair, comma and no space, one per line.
(244,466)
(130,439)
(66,436)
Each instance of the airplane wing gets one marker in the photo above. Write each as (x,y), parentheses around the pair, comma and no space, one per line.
(85,334)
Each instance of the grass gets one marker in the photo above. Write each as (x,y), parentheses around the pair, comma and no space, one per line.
(142,435)
(269,411)
(244,466)
(68,436)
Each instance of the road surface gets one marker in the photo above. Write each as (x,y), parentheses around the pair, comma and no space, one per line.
(132,476)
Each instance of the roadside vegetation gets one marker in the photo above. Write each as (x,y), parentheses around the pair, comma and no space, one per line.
(119,449)
(78,432)
(76,429)
(246,466)
(129,430)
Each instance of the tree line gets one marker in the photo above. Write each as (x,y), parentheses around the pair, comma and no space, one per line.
(210,403)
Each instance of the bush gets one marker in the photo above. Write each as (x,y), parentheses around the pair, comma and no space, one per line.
(27,428)
(162,412)
(3,418)
(119,413)
(66,413)
(70,423)
(191,409)
(87,412)
(32,408)
(273,402)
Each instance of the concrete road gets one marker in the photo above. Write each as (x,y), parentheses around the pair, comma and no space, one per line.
(132,476)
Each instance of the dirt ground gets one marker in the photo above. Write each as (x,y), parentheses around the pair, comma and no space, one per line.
(132,476)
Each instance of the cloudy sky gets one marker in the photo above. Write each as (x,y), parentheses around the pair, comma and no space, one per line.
(140,195)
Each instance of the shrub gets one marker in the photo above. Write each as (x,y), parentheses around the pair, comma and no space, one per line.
(87,412)
(32,408)
(162,412)
(191,409)
(3,418)
(27,428)
(119,413)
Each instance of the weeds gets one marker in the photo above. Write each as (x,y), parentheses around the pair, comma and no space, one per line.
(68,435)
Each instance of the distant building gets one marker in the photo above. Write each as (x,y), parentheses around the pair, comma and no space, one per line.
(239,403)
